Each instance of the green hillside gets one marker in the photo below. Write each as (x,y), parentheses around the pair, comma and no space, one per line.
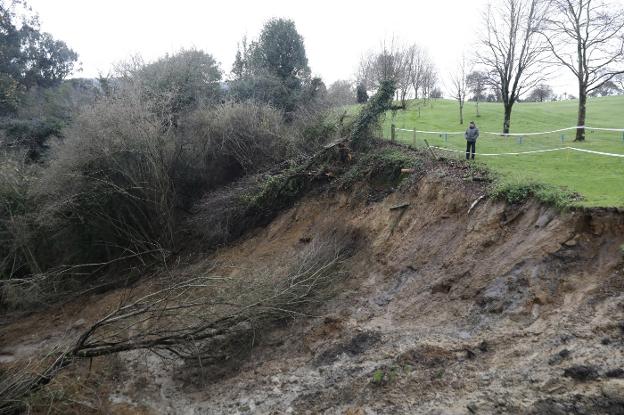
(599,179)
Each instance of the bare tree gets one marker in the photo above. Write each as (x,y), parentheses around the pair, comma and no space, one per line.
(422,71)
(460,86)
(586,36)
(513,52)
(409,67)
(423,77)
(477,82)
(429,80)
(404,81)
(387,64)
(418,60)
(393,62)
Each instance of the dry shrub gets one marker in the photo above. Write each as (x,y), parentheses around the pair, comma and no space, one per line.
(253,134)
(16,219)
(225,214)
(18,381)
(106,192)
(221,215)
(192,311)
(117,184)
(315,127)
(124,177)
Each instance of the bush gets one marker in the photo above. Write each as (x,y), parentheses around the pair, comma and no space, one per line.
(315,128)
(118,183)
(30,134)
(224,215)
(106,192)
(519,192)
(251,134)
(16,179)
(178,83)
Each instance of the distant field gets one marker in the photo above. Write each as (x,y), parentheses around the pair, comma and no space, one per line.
(599,179)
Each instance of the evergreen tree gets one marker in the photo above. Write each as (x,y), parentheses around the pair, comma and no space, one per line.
(274,69)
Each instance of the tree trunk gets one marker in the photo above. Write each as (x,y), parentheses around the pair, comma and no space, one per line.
(461,114)
(478,115)
(582,110)
(507,119)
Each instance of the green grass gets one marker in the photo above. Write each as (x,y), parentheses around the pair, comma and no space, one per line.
(598,179)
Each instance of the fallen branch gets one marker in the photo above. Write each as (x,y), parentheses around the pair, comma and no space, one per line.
(431,150)
(472,206)
(401,206)
(197,316)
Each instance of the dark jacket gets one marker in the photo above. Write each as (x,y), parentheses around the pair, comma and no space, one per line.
(472,134)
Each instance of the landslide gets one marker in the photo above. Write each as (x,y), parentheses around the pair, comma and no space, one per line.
(448,307)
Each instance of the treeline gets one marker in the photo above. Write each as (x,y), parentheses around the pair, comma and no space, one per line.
(37,103)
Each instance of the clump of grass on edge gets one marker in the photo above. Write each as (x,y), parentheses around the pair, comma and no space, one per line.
(518,192)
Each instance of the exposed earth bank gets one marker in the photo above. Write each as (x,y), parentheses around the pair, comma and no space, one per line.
(449,307)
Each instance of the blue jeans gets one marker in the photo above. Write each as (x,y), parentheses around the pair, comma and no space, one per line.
(470,149)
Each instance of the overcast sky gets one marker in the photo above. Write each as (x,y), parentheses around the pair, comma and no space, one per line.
(336,33)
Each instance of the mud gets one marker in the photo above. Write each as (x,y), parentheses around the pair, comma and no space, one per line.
(444,312)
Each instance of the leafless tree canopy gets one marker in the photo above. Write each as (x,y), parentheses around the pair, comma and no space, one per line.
(512,49)
(477,83)
(459,81)
(410,67)
(587,37)
(424,77)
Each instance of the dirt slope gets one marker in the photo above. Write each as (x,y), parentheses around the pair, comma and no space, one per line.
(506,309)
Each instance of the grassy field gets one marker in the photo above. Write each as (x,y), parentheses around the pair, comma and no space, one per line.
(599,179)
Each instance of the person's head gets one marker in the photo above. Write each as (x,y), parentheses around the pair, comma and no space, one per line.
(472,124)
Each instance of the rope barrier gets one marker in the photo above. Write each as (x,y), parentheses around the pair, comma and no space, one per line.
(530,134)
(620,130)
(602,153)
(521,135)
(433,132)
(532,151)
(501,154)
(515,134)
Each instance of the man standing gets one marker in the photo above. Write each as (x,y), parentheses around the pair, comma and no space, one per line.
(472,133)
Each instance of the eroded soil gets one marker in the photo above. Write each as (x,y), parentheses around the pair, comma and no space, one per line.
(506,309)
